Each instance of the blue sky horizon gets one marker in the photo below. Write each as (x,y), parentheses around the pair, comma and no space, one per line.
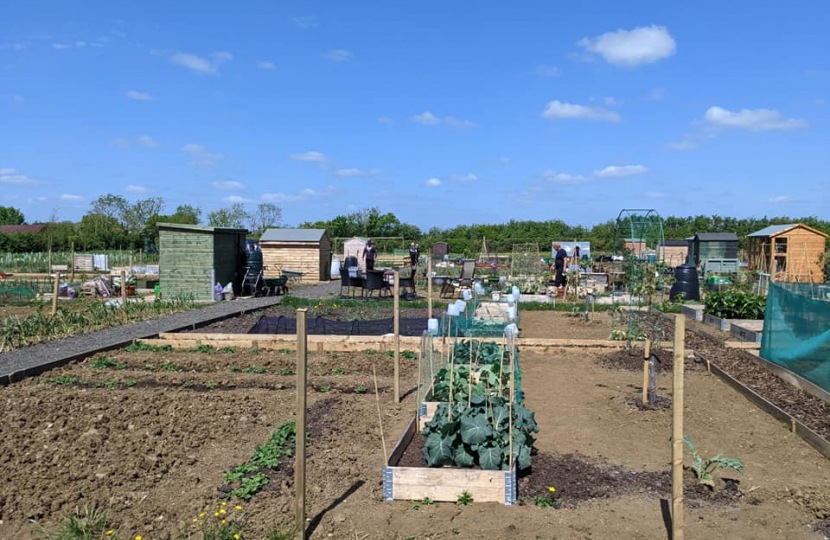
(442,113)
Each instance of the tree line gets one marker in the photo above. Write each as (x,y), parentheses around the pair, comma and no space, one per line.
(113,222)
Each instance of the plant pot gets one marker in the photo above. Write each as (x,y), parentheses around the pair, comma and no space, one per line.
(130,290)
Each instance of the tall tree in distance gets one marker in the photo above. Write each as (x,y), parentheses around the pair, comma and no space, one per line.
(233,217)
(265,216)
(11,216)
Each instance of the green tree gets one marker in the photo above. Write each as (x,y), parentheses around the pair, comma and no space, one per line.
(265,215)
(233,216)
(11,216)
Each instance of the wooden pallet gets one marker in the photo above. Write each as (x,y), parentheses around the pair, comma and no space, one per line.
(443,484)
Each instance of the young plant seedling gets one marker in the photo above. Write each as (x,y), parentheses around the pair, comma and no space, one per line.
(227,350)
(360,390)
(149,367)
(170,366)
(257,370)
(211,385)
(207,349)
(187,384)
(703,469)
(465,499)
(338,371)
(286,371)
(106,362)
(325,388)
(285,351)
(130,382)
(253,351)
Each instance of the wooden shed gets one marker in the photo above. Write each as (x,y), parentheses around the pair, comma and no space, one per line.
(673,252)
(353,247)
(302,250)
(705,246)
(789,252)
(193,259)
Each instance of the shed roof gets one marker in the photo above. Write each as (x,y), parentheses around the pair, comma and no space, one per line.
(676,243)
(15,229)
(293,235)
(199,228)
(717,237)
(774,230)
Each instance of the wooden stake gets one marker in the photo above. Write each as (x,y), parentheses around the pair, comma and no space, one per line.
(380,420)
(677,428)
(299,452)
(123,290)
(470,376)
(49,269)
(452,372)
(510,407)
(418,388)
(646,354)
(397,330)
(429,287)
(55,299)
(72,261)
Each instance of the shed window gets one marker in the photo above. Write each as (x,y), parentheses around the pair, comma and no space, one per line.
(780,265)
(781,245)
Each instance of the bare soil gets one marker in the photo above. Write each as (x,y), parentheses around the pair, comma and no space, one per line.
(563,325)
(156,452)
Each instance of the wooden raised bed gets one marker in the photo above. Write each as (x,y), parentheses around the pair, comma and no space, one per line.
(443,484)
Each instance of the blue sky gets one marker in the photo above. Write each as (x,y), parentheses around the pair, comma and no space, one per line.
(441,112)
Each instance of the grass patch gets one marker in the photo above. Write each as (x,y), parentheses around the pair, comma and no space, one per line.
(89,522)
(569,307)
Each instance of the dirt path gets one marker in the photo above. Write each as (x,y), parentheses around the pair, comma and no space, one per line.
(558,324)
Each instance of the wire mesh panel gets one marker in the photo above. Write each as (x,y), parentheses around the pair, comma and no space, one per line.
(526,262)
(797,330)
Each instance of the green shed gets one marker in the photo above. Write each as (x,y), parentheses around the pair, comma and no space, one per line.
(705,246)
(192,259)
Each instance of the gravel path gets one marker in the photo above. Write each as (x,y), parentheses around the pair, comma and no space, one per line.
(28,361)
(323,290)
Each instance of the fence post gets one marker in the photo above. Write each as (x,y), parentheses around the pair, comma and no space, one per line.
(299,452)
(677,425)
(396,290)
(55,298)
(429,287)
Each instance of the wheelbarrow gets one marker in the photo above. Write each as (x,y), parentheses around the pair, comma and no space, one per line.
(292,275)
(276,286)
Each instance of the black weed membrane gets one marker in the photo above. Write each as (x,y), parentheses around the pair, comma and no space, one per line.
(323,326)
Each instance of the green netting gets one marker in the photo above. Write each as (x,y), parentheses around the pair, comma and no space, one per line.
(797,330)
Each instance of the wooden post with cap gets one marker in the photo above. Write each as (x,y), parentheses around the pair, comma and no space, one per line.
(299,433)
(396,291)
(677,428)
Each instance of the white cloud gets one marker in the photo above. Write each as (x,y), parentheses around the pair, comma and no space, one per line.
(619,171)
(15,178)
(426,118)
(557,109)
(433,182)
(145,140)
(60,46)
(385,120)
(133,188)
(200,157)
(280,197)
(455,122)
(70,198)
(198,64)
(354,173)
(548,71)
(140,96)
(778,199)
(564,178)
(228,184)
(463,177)
(629,48)
(751,119)
(305,22)
(656,94)
(265,64)
(681,146)
(339,55)
(233,199)
(315,157)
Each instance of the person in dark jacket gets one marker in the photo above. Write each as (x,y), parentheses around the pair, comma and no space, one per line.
(369,255)
(414,254)
(560,261)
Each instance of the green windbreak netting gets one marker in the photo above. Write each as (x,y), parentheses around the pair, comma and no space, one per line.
(797,330)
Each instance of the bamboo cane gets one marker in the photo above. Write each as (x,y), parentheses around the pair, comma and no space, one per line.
(646,354)
(677,425)
(510,411)
(299,452)
(452,372)
(418,388)
(470,376)
(380,420)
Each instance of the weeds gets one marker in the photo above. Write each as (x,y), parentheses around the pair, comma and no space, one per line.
(227,350)
(149,367)
(338,371)
(286,371)
(253,351)
(63,381)
(370,352)
(222,522)
(257,370)
(130,383)
(411,355)
(187,384)
(170,366)
(325,388)
(105,362)
(280,533)
(465,499)
(207,349)
(361,390)
(141,346)
(285,351)
(211,385)
(89,522)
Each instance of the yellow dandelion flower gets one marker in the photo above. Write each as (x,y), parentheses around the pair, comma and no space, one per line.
(224,503)
(138,537)
(552,489)
(222,522)
(222,511)
(236,537)
(195,520)
(110,532)
(238,507)
(202,514)
(216,514)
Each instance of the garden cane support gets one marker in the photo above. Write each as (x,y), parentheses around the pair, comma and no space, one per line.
(57,289)
(396,289)
(646,354)
(299,452)
(123,290)
(429,287)
(677,428)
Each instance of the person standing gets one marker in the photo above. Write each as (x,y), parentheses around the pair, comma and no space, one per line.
(369,254)
(414,255)
(560,261)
